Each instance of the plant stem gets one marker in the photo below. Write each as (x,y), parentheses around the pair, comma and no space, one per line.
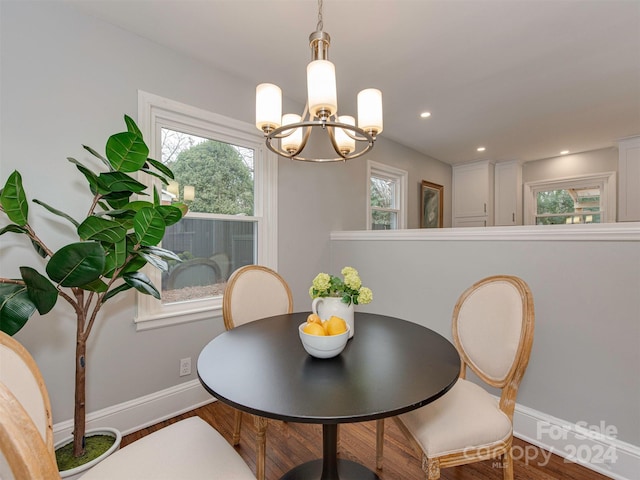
(81,366)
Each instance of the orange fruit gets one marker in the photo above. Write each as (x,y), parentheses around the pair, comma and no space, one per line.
(314,318)
(314,329)
(336,326)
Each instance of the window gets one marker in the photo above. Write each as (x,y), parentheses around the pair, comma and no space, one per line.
(387,197)
(584,199)
(227,177)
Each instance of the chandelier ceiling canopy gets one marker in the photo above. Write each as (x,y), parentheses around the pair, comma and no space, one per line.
(321,111)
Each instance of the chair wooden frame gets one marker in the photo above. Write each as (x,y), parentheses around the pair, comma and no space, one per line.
(12,344)
(229,323)
(21,443)
(508,385)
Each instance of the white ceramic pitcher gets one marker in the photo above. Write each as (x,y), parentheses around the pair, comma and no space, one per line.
(325,307)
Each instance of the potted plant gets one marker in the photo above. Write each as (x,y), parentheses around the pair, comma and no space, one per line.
(117,238)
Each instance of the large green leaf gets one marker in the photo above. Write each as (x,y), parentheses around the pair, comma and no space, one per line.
(118,199)
(96,154)
(154,174)
(157,262)
(141,282)
(13,228)
(131,126)
(161,167)
(15,307)
(76,264)
(149,226)
(116,256)
(40,290)
(101,229)
(120,182)
(135,264)
(170,214)
(57,212)
(91,177)
(184,208)
(115,291)
(95,286)
(14,200)
(126,152)
(161,252)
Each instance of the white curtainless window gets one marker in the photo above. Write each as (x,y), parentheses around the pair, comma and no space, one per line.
(227,178)
(575,200)
(386,197)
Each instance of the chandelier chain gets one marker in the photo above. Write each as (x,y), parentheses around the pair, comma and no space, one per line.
(319,25)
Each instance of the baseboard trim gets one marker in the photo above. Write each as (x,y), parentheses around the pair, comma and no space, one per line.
(594,447)
(144,411)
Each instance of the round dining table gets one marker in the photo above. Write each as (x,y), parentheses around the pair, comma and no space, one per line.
(389,367)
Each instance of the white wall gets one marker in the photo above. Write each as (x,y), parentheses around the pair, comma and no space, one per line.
(584,163)
(586,349)
(68,79)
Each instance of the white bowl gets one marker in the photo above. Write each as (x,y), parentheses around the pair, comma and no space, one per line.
(326,346)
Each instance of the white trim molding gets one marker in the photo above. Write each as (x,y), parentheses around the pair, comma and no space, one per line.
(142,412)
(592,446)
(613,232)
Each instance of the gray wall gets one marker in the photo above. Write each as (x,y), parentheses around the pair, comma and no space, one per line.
(586,350)
(66,80)
(584,163)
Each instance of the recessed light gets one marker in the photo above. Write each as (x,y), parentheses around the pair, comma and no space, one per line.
(481,149)
(564,152)
(425,114)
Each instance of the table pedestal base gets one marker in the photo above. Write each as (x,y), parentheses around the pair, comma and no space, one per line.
(330,467)
(347,470)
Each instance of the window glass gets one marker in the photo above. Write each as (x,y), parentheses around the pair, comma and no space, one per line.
(386,209)
(211,177)
(571,205)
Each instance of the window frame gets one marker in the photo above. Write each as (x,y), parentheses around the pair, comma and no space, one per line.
(400,178)
(606,181)
(156,112)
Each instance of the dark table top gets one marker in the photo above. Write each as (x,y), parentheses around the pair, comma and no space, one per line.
(389,367)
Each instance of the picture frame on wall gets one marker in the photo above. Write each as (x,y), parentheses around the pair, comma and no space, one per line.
(431,205)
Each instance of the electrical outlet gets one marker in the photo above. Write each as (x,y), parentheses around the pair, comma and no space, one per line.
(185,366)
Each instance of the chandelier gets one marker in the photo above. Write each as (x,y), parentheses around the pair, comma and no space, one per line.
(320,112)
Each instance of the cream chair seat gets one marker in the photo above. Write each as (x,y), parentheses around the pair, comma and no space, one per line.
(254,292)
(493,324)
(189,449)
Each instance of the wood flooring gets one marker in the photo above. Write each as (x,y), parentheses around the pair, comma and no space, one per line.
(290,444)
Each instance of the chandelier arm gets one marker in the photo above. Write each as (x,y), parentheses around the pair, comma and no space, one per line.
(332,137)
(366,138)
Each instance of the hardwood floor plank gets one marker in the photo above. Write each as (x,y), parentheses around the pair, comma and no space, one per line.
(290,444)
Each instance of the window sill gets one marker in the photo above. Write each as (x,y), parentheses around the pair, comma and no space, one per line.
(149,322)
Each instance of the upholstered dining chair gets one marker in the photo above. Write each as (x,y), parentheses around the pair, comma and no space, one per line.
(189,448)
(253,292)
(492,329)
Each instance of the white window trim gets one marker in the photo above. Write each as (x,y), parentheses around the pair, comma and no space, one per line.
(376,169)
(156,111)
(606,181)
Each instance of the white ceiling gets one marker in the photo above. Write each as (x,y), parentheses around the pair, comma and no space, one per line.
(524,78)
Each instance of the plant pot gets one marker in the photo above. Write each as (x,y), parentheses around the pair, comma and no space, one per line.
(325,307)
(75,473)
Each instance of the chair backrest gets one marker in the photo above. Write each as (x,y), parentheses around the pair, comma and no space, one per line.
(21,443)
(20,374)
(493,323)
(254,292)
